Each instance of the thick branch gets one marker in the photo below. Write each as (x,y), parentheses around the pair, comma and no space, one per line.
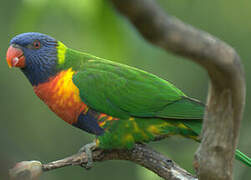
(141,155)
(227,90)
(225,100)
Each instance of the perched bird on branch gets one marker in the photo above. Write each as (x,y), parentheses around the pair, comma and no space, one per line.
(119,104)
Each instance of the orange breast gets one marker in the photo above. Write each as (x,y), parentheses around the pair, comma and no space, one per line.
(62,96)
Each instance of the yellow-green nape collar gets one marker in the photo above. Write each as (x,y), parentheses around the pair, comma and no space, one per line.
(61,52)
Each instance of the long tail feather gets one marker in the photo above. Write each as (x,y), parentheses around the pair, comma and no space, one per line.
(242,157)
(195,124)
(196,127)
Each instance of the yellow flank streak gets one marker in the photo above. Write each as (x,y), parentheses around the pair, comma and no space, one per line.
(167,124)
(153,129)
(138,130)
(131,119)
(101,123)
(61,52)
(97,142)
(128,138)
(109,118)
(136,127)
(196,138)
(181,125)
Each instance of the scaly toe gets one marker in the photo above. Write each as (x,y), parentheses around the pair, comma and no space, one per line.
(88,151)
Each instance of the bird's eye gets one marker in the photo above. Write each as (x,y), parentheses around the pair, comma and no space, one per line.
(36,44)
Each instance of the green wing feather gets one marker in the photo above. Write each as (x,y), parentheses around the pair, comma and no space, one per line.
(122,91)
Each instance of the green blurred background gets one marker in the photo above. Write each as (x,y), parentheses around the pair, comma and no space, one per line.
(30,131)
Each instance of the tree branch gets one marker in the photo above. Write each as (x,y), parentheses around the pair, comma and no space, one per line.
(214,157)
(226,96)
(140,154)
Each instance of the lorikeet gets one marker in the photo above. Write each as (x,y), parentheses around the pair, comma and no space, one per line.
(119,104)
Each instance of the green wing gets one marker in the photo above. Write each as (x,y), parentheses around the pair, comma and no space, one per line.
(122,91)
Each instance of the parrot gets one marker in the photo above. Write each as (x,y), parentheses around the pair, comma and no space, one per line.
(119,104)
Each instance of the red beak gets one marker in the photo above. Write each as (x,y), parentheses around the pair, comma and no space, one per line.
(15,57)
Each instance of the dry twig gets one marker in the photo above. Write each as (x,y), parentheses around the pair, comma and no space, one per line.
(141,155)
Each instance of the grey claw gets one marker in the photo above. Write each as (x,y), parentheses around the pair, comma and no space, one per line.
(88,150)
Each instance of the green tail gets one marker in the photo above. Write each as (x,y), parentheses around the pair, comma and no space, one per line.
(242,157)
(196,126)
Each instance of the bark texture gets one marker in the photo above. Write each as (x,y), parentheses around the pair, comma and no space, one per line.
(225,103)
(140,154)
(226,95)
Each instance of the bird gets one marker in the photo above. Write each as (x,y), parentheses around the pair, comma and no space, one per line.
(119,104)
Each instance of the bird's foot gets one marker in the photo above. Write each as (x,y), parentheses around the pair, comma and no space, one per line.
(88,151)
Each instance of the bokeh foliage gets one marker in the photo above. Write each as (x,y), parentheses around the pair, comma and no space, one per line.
(28,130)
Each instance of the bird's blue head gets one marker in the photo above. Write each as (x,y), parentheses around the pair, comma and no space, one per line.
(36,54)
